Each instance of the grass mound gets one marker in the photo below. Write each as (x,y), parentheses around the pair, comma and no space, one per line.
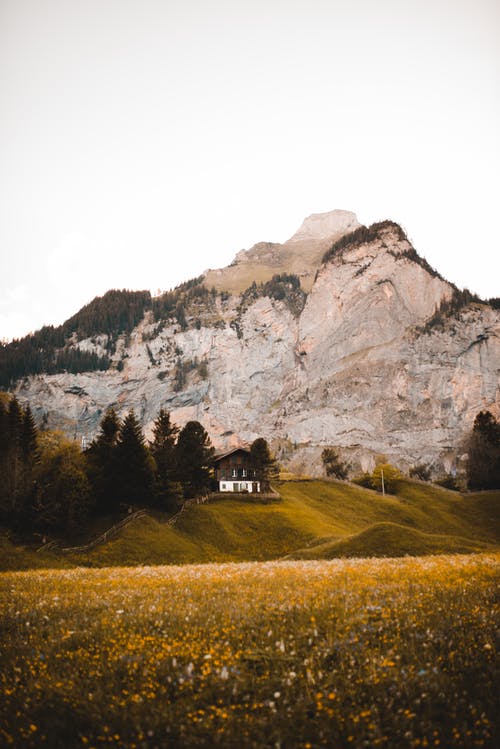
(391,540)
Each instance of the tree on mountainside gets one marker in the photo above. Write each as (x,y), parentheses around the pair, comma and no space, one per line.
(333,465)
(163,449)
(194,456)
(133,465)
(421,471)
(483,464)
(264,463)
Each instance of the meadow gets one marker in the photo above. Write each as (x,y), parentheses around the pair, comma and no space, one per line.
(283,654)
(313,520)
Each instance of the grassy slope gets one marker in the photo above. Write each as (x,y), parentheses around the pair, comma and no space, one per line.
(16,558)
(315,519)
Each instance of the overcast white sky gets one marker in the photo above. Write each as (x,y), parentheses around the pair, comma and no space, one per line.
(143,141)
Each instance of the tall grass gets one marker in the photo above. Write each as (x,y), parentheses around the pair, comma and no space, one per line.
(351,653)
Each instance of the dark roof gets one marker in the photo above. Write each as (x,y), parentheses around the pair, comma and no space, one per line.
(230,452)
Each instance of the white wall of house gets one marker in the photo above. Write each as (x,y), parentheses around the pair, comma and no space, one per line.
(238,486)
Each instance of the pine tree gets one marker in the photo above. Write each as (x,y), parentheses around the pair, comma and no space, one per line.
(4,458)
(101,463)
(264,464)
(194,459)
(14,473)
(30,455)
(134,466)
(163,450)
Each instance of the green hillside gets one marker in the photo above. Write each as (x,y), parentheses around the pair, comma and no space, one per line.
(314,519)
(391,540)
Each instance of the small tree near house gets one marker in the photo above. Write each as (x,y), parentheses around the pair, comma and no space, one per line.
(194,455)
(264,463)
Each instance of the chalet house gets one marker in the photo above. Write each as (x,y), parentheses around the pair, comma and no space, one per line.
(234,472)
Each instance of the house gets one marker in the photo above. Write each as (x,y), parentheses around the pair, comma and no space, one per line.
(234,472)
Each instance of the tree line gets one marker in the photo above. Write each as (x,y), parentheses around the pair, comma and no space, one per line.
(49,349)
(51,486)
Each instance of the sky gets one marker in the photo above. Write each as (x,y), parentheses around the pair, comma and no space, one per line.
(144,141)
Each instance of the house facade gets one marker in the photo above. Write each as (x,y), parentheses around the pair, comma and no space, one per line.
(234,472)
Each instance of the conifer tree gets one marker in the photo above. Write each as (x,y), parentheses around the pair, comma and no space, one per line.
(163,450)
(29,453)
(18,456)
(101,462)
(134,466)
(4,457)
(194,459)
(14,473)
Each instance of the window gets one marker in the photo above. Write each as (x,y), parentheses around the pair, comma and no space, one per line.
(234,472)
(222,486)
(244,472)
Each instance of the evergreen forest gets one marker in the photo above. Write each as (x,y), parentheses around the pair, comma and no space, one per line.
(51,486)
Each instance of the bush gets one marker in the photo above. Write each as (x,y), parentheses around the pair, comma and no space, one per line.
(364,480)
(448,481)
(421,471)
(333,465)
(385,477)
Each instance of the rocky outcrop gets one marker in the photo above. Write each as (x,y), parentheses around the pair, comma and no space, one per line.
(301,254)
(354,369)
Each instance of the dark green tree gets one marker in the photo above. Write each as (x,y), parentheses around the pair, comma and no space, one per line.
(18,455)
(483,464)
(333,465)
(163,450)
(12,464)
(194,459)
(264,463)
(30,455)
(101,467)
(4,456)
(133,465)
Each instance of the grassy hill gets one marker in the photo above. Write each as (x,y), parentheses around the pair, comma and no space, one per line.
(313,520)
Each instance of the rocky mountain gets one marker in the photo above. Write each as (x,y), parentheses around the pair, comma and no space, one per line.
(341,336)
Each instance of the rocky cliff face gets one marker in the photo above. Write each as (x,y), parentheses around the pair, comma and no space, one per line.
(353,368)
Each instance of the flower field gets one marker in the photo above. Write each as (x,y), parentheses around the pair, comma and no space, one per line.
(344,653)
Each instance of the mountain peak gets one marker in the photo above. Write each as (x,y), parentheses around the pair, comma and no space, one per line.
(324,225)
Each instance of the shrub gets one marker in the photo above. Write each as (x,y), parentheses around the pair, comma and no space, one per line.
(421,471)
(385,477)
(333,465)
(448,481)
